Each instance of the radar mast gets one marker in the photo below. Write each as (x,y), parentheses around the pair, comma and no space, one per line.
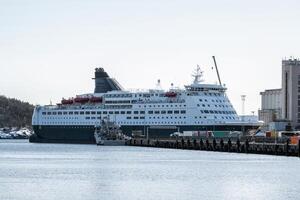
(198,75)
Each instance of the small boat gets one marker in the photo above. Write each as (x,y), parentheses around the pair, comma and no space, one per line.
(109,134)
(97,135)
(81,99)
(171,94)
(66,101)
(96,100)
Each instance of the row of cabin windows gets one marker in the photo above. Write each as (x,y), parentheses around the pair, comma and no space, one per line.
(149,95)
(143,123)
(92,112)
(167,112)
(208,105)
(117,95)
(135,95)
(211,94)
(92,117)
(206,93)
(112,112)
(228,117)
(166,117)
(128,117)
(218,101)
(156,94)
(162,106)
(158,106)
(135,117)
(217,112)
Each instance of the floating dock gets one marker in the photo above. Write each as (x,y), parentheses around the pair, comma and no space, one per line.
(222,145)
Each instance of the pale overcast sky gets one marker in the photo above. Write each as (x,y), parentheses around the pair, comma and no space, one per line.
(49,49)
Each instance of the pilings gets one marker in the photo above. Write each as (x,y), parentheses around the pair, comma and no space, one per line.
(222,145)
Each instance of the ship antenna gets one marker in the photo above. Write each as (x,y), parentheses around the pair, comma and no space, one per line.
(217,70)
(158,85)
(198,75)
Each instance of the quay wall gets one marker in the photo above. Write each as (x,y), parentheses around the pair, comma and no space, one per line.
(221,145)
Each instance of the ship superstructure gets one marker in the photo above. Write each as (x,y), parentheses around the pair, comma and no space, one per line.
(152,113)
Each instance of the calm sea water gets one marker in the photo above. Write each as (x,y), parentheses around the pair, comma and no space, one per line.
(71,172)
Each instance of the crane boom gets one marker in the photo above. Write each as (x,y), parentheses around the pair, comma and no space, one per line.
(217,70)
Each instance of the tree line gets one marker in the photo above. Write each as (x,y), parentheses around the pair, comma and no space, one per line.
(15,113)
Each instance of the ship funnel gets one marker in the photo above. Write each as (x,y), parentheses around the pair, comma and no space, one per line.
(103,83)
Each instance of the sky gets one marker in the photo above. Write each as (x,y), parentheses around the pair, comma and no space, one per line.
(49,48)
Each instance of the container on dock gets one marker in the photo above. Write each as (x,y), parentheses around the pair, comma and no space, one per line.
(295,140)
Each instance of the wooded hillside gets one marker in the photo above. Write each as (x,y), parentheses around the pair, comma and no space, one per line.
(15,113)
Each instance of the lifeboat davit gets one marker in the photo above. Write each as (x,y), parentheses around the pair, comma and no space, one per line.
(171,94)
(66,101)
(96,100)
(82,99)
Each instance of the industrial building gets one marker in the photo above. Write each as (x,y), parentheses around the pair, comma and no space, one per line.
(283,104)
(291,91)
(271,108)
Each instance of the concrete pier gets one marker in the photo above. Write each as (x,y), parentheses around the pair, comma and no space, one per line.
(221,145)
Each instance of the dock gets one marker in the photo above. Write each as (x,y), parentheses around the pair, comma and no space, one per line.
(222,145)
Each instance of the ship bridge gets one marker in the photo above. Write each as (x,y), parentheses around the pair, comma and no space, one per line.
(198,85)
(205,87)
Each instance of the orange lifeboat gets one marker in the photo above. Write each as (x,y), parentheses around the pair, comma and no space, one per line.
(66,101)
(170,94)
(96,100)
(81,99)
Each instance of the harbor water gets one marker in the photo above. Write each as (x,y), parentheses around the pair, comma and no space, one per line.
(70,172)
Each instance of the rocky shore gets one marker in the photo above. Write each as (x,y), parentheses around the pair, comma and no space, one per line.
(15,133)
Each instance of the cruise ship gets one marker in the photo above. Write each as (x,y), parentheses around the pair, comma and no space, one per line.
(153,113)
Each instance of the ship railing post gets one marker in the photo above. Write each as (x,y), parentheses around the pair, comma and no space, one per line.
(287,147)
(222,144)
(214,144)
(298,147)
(229,145)
(246,145)
(238,145)
(201,144)
(195,144)
(147,132)
(207,145)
